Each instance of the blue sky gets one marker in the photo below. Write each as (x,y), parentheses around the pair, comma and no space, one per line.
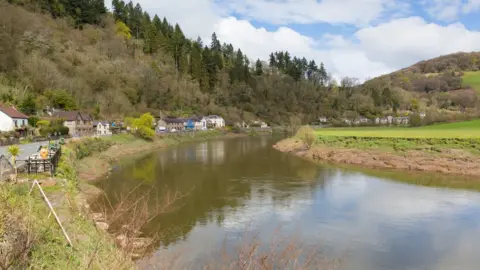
(355,38)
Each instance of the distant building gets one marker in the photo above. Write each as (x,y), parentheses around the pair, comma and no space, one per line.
(78,123)
(102,128)
(170,124)
(322,120)
(11,119)
(215,121)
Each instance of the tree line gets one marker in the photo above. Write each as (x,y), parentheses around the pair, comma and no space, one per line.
(145,64)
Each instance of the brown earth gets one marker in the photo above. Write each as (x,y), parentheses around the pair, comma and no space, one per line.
(451,161)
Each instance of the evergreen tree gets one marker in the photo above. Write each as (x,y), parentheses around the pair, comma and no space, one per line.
(258,68)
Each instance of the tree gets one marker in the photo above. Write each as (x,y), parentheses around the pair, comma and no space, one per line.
(14,151)
(122,30)
(258,68)
(28,105)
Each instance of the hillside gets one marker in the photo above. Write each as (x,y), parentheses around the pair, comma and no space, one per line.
(125,63)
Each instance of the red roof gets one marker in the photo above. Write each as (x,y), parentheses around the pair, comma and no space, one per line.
(12,112)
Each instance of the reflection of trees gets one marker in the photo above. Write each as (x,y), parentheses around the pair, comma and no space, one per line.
(213,188)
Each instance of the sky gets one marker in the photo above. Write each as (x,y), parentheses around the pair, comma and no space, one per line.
(354,38)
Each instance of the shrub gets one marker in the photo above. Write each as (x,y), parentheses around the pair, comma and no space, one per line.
(415,120)
(307,135)
(88,146)
(145,133)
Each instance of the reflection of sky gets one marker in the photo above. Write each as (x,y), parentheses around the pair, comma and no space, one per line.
(378,224)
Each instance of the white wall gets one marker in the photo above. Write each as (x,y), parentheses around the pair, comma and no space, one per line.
(6,123)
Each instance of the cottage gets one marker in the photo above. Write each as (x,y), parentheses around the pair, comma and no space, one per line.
(322,120)
(199,123)
(78,123)
(170,124)
(363,120)
(11,119)
(215,121)
(102,128)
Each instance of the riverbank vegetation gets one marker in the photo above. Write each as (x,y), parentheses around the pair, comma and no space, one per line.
(451,148)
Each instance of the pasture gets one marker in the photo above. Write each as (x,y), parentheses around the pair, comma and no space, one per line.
(467,129)
(472,79)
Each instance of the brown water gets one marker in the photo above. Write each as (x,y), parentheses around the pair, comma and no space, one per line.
(238,185)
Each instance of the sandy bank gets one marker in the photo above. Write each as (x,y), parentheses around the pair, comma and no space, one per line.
(448,161)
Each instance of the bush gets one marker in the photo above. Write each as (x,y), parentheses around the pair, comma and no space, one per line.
(415,120)
(88,146)
(145,133)
(307,135)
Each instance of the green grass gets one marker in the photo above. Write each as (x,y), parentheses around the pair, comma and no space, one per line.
(472,79)
(467,129)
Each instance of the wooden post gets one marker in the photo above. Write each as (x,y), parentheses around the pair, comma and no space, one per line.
(35,182)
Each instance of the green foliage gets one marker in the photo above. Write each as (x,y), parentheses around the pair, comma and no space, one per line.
(28,105)
(33,121)
(142,126)
(61,99)
(14,151)
(86,147)
(415,120)
(122,30)
(50,128)
(307,135)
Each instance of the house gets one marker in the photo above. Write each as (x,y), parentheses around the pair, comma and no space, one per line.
(322,120)
(363,120)
(170,124)
(402,120)
(215,121)
(102,128)
(189,124)
(381,120)
(78,123)
(11,119)
(199,123)
(422,114)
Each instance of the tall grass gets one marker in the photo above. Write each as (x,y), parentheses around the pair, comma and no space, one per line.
(307,135)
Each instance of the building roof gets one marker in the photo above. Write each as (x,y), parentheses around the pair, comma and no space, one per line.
(214,117)
(105,123)
(12,112)
(67,115)
(71,115)
(173,120)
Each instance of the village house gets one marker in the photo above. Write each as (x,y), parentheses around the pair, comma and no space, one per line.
(199,123)
(11,119)
(102,128)
(323,120)
(402,120)
(170,124)
(78,123)
(215,121)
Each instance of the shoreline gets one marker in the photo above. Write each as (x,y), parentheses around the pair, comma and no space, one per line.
(446,161)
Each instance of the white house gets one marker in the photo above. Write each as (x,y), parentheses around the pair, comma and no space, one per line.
(200,123)
(102,128)
(11,119)
(216,121)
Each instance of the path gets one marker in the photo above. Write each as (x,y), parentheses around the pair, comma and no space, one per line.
(26,150)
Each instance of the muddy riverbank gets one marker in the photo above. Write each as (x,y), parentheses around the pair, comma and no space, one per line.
(447,161)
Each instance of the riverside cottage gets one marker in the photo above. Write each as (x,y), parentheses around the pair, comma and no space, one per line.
(11,119)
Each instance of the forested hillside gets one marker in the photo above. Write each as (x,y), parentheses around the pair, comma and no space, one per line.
(75,54)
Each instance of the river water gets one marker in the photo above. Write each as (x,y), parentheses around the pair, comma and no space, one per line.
(236,188)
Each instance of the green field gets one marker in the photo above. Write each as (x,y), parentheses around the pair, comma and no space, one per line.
(472,79)
(468,129)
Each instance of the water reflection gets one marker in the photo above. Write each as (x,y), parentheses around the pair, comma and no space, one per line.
(240,184)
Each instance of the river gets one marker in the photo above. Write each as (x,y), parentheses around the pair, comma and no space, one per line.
(239,188)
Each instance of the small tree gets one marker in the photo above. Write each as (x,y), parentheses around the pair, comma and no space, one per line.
(307,135)
(14,151)
(415,120)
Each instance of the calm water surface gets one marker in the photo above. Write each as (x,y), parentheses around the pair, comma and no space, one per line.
(235,185)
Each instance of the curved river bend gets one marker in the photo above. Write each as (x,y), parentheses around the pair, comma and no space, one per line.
(233,185)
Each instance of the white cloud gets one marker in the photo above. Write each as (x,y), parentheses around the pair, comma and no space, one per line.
(370,51)
(358,12)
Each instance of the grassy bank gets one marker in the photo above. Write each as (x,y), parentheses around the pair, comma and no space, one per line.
(452,148)
(30,236)
(472,79)
(467,129)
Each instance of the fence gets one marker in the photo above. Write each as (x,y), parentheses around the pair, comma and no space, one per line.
(36,164)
